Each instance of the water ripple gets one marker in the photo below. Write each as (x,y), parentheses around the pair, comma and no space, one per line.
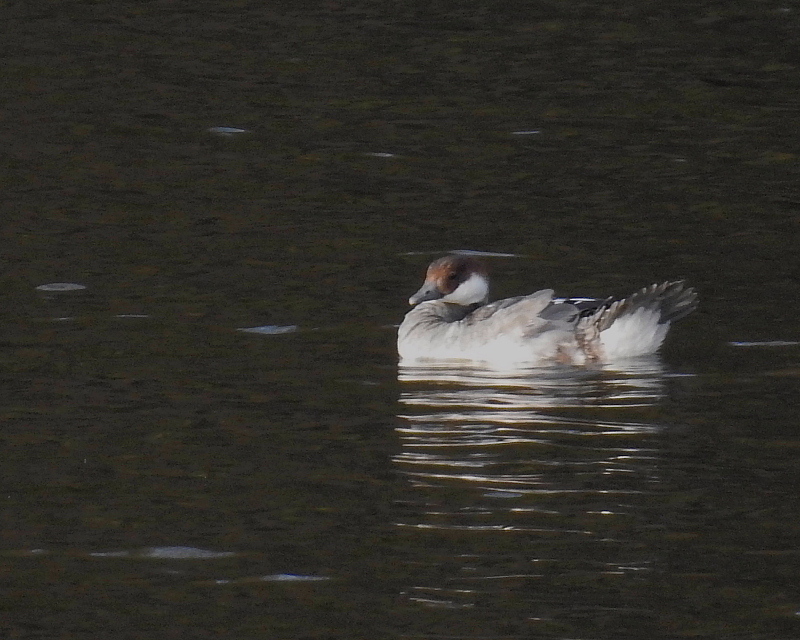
(511,474)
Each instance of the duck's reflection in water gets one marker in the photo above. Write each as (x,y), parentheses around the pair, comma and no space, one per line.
(528,492)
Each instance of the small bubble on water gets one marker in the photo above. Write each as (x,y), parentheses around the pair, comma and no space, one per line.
(226,131)
(270,329)
(60,287)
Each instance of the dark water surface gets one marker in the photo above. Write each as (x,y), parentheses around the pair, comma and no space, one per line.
(167,476)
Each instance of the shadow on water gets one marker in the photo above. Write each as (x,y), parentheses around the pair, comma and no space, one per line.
(532,487)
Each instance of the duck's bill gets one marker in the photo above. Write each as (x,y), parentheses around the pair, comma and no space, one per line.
(426,292)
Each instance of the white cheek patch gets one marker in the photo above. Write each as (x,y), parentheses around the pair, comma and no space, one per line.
(473,290)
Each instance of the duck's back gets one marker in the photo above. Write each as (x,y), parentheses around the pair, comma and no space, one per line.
(507,330)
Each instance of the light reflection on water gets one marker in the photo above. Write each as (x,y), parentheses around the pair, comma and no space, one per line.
(530,485)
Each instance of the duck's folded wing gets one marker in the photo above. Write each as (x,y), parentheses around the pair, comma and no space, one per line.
(523,316)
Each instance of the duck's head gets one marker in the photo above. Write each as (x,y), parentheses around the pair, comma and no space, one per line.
(455,279)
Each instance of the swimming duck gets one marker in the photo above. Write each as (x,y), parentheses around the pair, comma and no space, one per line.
(452,319)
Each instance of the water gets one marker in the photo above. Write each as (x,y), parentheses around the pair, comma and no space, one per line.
(211,438)
(583,505)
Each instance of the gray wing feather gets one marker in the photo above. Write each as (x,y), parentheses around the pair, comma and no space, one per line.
(673,300)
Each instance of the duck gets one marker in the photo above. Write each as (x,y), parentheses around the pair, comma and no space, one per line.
(452,319)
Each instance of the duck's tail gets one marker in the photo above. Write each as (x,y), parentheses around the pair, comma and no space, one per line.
(636,325)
